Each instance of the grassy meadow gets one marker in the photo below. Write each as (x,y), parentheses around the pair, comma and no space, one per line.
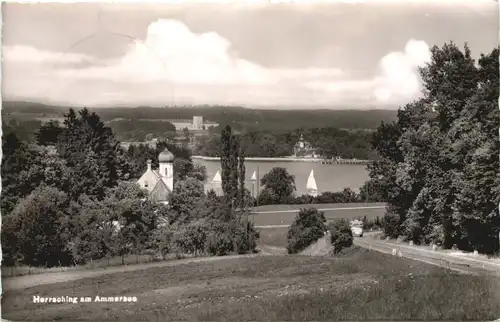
(276,236)
(274,215)
(319,206)
(357,285)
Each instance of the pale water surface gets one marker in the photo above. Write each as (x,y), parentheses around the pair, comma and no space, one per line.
(329,177)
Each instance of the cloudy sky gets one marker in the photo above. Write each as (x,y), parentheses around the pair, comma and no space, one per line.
(336,55)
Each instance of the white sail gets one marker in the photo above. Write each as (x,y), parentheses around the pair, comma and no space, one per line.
(217,184)
(312,188)
(254,176)
(217,178)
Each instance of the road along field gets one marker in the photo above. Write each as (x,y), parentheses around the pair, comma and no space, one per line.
(279,215)
(474,266)
(28,281)
(359,285)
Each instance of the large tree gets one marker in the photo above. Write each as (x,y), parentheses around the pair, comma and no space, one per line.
(186,201)
(48,134)
(15,159)
(90,150)
(278,184)
(34,232)
(232,164)
(438,161)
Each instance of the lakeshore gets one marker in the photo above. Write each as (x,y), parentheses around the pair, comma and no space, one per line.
(333,178)
(290,159)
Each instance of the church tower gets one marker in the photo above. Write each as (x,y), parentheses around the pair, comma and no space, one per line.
(166,170)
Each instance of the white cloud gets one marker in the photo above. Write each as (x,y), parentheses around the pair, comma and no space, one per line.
(30,55)
(173,52)
(176,65)
(398,80)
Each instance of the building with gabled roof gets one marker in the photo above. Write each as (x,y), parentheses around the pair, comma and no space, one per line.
(303,148)
(159,183)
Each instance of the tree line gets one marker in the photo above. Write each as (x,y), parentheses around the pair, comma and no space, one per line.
(328,142)
(439,161)
(142,130)
(239,118)
(278,188)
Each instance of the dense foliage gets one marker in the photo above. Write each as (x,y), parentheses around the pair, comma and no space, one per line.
(278,187)
(233,167)
(439,159)
(70,197)
(344,133)
(239,118)
(306,229)
(142,130)
(340,235)
(328,142)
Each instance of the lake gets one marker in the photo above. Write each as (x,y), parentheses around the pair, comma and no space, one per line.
(329,177)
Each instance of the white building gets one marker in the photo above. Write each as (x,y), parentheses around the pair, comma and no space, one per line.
(159,183)
(198,122)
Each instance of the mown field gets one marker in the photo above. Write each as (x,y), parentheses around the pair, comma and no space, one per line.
(285,214)
(360,285)
(276,236)
(319,206)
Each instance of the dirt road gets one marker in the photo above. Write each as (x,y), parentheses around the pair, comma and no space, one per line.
(462,264)
(21,282)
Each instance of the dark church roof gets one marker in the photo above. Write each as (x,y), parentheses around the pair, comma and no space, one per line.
(166,156)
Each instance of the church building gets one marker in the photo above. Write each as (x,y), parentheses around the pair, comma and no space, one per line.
(159,183)
(303,148)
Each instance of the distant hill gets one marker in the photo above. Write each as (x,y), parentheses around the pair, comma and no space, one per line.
(32,108)
(244,119)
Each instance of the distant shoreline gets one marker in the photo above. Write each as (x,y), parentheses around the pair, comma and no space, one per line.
(289,159)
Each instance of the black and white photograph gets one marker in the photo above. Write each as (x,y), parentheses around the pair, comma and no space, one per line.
(250,161)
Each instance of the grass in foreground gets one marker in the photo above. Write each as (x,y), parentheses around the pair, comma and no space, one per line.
(273,236)
(357,285)
(268,236)
(13,271)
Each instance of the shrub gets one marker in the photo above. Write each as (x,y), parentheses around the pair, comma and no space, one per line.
(161,240)
(218,239)
(371,224)
(390,225)
(227,237)
(340,235)
(267,197)
(191,238)
(303,200)
(219,244)
(308,227)
(246,238)
(11,254)
(34,232)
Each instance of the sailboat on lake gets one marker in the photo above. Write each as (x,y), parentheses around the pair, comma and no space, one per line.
(217,184)
(311,187)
